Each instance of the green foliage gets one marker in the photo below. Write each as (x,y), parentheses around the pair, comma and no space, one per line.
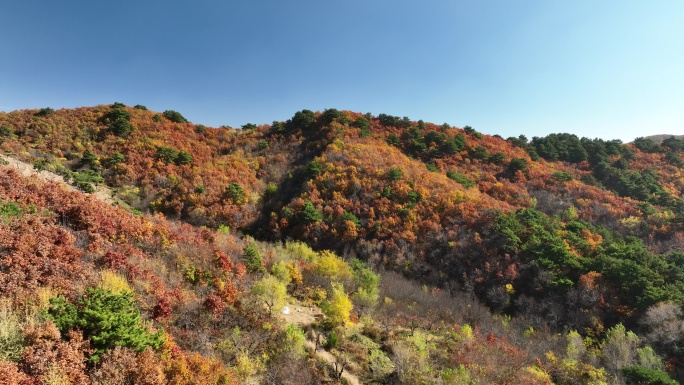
(432,167)
(282,272)
(310,214)
(517,164)
(157,118)
(480,153)
(119,121)
(314,168)
(9,210)
(460,178)
(393,140)
(333,340)
(116,158)
(45,112)
(347,216)
(107,319)
(647,145)
(637,375)
(367,282)
(454,145)
(394,174)
(91,160)
(183,157)
(394,121)
(330,115)
(85,180)
(167,154)
(253,261)
(174,116)
(235,193)
(6,132)
(271,291)
(561,176)
(140,107)
(303,119)
(121,127)
(497,158)
(363,124)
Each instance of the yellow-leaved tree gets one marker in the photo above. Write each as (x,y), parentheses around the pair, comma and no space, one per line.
(338,308)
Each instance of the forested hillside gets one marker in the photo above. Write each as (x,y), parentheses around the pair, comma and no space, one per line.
(395,229)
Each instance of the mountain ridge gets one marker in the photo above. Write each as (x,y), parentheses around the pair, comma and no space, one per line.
(523,225)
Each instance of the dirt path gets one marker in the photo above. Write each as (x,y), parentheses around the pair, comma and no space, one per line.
(26,170)
(303,316)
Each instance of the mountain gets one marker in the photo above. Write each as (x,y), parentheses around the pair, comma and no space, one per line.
(559,232)
(659,138)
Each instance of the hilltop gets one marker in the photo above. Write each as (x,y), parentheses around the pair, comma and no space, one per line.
(560,232)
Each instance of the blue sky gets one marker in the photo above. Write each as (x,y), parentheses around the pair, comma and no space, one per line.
(609,69)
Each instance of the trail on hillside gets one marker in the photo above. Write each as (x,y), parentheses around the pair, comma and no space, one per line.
(305,316)
(102,193)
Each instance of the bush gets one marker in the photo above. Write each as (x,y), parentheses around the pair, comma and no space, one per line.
(184,158)
(314,168)
(45,112)
(235,193)
(140,107)
(309,213)
(167,154)
(637,375)
(460,178)
(107,319)
(174,116)
(5,131)
(394,174)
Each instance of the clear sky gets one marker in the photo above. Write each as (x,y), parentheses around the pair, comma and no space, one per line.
(607,68)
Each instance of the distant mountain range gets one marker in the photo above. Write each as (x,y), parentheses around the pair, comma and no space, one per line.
(659,138)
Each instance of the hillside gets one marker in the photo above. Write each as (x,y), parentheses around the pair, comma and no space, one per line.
(660,138)
(560,232)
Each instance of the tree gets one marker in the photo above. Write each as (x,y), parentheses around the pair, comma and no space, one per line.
(338,308)
(637,375)
(394,174)
(310,214)
(303,119)
(235,193)
(183,157)
(253,261)
(107,319)
(271,291)
(174,116)
(619,349)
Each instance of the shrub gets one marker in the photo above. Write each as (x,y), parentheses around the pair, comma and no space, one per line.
(174,116)
(45,112)
(167,154)
(235,193)
(253,261)
(11,337)
(460,178)
(184,158)
(5,131)
(107,319)
(310,214)
(394,174)
(140,107)
(314,168)
(116,159)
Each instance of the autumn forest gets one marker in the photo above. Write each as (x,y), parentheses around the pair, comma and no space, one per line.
(405,252)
